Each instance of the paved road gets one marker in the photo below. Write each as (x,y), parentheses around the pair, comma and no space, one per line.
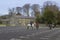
(21,33)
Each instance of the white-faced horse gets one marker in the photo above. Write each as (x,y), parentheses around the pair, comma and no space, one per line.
(30,26)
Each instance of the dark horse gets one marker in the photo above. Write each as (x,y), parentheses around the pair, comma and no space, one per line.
(54,25)
(50,26)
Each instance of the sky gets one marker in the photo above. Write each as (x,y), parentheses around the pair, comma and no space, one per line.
(6,4)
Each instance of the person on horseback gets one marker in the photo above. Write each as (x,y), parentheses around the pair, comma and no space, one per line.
(31,22)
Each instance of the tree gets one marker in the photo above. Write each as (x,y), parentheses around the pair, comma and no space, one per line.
(50,12)
(49,16)
(26,9)
(58,18)
(12,12)
(37,17)
(18,10)
(36,9)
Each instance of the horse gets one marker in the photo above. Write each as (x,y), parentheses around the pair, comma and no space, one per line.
(29,25)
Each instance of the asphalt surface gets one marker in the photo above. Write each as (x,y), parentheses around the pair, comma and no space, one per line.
(21,33)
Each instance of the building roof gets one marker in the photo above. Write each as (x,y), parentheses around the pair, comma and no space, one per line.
(25,17)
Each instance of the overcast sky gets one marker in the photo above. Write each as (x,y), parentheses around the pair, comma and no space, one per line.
(6,4)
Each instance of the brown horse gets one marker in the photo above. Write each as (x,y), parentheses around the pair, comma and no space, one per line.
(37,25)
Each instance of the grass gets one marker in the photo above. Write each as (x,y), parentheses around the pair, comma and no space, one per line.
(2,25)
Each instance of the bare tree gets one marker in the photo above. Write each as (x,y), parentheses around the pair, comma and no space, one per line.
(12,12)
(26,9)
(18,10)
(36,8)
(51,6)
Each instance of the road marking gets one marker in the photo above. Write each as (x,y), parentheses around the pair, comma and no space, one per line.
(15,39)
(43,38)
(28,35)
(23,37)
(47,36)
(12,39)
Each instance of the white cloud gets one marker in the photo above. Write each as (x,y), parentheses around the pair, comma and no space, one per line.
(4,13)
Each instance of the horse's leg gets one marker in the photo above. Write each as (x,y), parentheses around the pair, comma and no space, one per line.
(27,27)
(31,26)
(54,26)
(50,27)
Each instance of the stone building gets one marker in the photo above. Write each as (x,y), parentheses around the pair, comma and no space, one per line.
(17,20)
